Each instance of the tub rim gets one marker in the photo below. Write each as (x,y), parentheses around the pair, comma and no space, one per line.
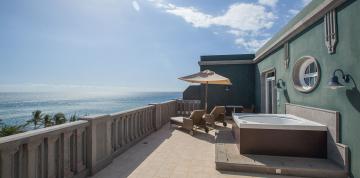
(309,126)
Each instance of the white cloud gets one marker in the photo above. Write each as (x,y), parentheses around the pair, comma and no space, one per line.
(306,2)
(271,3)
(293,12)
(136,5)
(191,15)
(251,45)
(246,21)
(160,3)
(236,32)
(244,17)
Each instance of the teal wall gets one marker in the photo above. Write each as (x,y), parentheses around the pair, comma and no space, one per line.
(241,92)
(192,92)
(347,58)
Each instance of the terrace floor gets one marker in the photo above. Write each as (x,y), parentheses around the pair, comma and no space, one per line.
(171,152)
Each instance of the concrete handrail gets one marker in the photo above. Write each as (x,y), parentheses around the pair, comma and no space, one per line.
(80,148)
(56,151)
(111,135)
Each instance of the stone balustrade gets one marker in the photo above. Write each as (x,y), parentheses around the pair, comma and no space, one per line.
(84,147)
(185,107)
(58,151)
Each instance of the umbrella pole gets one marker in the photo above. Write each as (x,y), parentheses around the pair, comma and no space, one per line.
(206,96)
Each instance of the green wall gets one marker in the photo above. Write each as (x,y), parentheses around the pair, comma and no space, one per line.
(347,58)
(242,90)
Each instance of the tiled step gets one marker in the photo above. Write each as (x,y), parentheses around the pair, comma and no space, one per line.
(228,158)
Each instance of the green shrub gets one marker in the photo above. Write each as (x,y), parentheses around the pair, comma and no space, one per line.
(59,118)
(7,130)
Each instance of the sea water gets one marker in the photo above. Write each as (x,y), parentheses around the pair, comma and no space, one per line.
(16,108)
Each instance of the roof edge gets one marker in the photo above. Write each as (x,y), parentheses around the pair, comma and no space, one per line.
(296,29)
(227,57)
(225,62)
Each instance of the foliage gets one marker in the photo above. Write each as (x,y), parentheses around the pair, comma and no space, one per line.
(7,130)
(47,120)
(59,118)
(73,118)
(36,119)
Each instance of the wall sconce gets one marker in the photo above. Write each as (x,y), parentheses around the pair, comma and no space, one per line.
(280,84)
(334,80)
(227,88)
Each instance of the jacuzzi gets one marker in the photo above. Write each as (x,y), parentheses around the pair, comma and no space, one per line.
(279,135)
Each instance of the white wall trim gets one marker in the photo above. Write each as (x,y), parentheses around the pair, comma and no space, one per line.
(307,21)
(225,62)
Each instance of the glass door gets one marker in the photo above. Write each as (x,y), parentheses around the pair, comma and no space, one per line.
(270,93)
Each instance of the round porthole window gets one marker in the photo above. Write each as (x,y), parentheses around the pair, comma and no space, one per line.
(306,74)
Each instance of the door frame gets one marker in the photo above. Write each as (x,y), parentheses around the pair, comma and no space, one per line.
(264,79)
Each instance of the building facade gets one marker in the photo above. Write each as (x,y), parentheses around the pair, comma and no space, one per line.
(295,66)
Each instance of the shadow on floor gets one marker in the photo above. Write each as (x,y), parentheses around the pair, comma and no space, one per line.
(124,165)
(199,134)
(209,137)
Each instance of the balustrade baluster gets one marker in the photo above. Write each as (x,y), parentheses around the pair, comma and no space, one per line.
(9,162)
(135,125)
(120,131)
(67,154)
(138,131)
(127,136)
(132,126)
(80,149)
(143,114)
(35,159)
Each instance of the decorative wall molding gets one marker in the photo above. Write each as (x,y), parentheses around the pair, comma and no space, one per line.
(330,26)
(225,62)
(299,27)
(286,56)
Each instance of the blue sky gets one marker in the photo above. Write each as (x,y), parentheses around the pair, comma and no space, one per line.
(124,45)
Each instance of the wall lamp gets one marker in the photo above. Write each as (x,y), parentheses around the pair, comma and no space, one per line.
(280,84)
(334,80)
(227,88)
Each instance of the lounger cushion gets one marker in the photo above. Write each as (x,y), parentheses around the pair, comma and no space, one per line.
(177,119)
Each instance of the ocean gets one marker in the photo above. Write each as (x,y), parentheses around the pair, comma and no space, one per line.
(16,108)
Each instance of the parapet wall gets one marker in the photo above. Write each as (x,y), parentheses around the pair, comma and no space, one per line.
(82,148)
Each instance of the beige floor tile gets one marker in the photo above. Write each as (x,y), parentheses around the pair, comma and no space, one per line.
(170,153)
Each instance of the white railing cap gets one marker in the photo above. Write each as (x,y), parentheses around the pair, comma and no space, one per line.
(41,131)
(131,110)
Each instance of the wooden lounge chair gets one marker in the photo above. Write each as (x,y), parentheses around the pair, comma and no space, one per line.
(189,123)
(216,115)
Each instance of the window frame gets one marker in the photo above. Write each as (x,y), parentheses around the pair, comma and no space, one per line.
(300,74)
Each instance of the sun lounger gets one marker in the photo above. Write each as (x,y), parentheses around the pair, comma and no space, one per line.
(190,123)
(216,115)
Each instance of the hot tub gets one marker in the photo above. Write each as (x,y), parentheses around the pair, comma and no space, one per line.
(279,135)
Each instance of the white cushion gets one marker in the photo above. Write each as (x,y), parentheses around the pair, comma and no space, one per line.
(177,119)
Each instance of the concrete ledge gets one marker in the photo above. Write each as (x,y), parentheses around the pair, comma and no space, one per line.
(44,131)
(227,158)
(225,62)
(130,111)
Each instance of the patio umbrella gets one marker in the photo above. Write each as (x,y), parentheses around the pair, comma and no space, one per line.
(206,77)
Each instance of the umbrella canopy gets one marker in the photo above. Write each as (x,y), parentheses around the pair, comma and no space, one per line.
(206,77)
